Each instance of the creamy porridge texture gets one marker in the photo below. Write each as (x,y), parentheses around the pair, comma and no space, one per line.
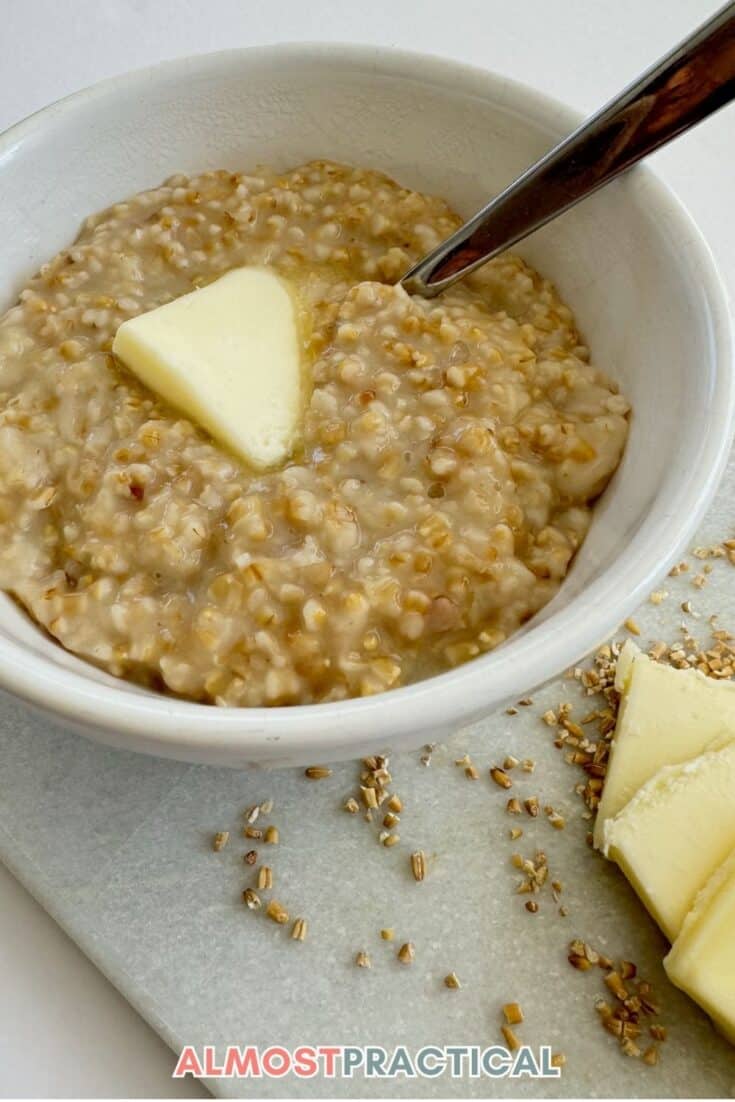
(450,450)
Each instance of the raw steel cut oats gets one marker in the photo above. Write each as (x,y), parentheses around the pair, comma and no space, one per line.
(450,453)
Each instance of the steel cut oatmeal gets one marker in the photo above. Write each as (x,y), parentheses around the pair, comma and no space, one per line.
(450,450)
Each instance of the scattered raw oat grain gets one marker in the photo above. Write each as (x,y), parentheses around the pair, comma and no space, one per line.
(616,985)
(391,840)
(429,749)
(418,865)
(593,956)
(271,836)
(558,1060)
(317,772)
(532,806)
(510,762)
(528,765)
(395,803)
(390,820)
(513,806)
(532,906)
(251,899)
(276,912)
(253,832)
(266,807)
(362,960)
(510,1038)
(220,840)
(512,1013)
(407,953)
(351,805)
(300,929)
(500,777)
(658,596)
(557,821)
(252,813)
(265,878)
(514,833)
(452,981)
(387,933)
(250,857)
(369,796)
(579,960)
(631,626)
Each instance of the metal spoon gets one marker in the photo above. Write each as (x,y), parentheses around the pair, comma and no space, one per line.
(684,87)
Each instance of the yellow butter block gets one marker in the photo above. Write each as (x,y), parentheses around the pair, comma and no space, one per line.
(675,833)
(666,716)
(702,959)
(229,356)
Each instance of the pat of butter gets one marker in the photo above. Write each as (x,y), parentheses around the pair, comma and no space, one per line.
(229,357)
(702,960)
(675,832)
(666,716)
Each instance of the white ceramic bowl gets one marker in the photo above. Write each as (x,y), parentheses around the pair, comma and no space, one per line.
(629,261)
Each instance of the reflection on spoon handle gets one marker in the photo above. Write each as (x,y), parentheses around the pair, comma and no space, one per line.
(684,87)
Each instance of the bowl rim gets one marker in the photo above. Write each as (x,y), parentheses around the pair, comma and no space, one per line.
(170,725)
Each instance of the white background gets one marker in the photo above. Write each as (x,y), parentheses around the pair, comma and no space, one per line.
(64,1031)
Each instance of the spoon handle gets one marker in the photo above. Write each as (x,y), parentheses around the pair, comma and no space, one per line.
(684,87)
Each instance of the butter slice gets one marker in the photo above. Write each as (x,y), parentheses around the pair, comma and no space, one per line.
(675,832)
(229,357)
(666,716)
(702,960)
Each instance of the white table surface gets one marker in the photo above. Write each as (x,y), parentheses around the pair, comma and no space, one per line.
(64,1031)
